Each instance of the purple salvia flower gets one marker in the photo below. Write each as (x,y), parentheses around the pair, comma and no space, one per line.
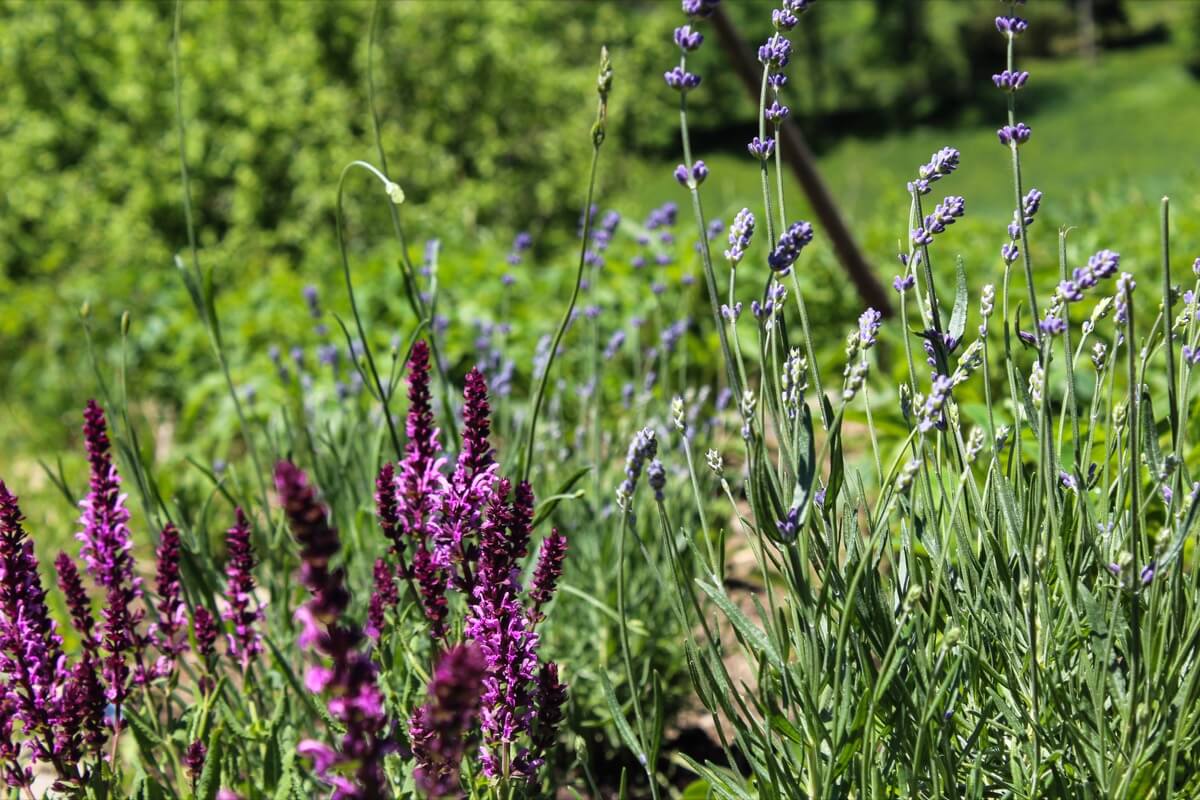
(420,480)
(550,695)
(498,623)
(30,647)
(791,243)
(106,553)
(439,728)
(169,631)
(387,511)
(384,597)
(193,760)
(204,628)
(545,576)
(243,641)
(350,677)
(82,711)
(78,603)
(13,774)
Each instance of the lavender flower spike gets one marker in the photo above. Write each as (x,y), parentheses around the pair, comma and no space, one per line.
(643,447)
(794,239)
(740,234)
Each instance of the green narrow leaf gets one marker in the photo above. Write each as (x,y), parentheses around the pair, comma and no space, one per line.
(1154,456)
(753,635)
(958,318)
(623,729)
(547,506)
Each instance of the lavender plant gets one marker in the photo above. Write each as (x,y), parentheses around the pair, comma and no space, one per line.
(1005,606)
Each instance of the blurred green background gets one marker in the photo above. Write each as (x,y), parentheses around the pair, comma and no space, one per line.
(486,109)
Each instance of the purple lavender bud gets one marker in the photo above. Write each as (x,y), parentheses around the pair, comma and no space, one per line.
(688,39)
(868,327)
(776,52)
(1191,355)
(731,314)
(1009,252)
(791,243)
(1104,264)
(783,19)
(638,262)
(615,342)
(1147,573)
(312,298)
(944,215)
(644,446)
(902,283)
(1196,267)
(243,612)
(776,113)
(761,149)
(921,237)
(1011,26)
(931,412)
(789,526)
(940,164)
(681,174)
(681,80)
(656,476)
(777,80)
(1009,80)
(740,234)
(699,172)
(1167,494)
(1124,294)
(658,287)
(699,8)
(1068,481)
(1014,135)
(439,728)
(545,576)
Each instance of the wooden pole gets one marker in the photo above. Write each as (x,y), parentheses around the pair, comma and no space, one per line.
(796,153)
